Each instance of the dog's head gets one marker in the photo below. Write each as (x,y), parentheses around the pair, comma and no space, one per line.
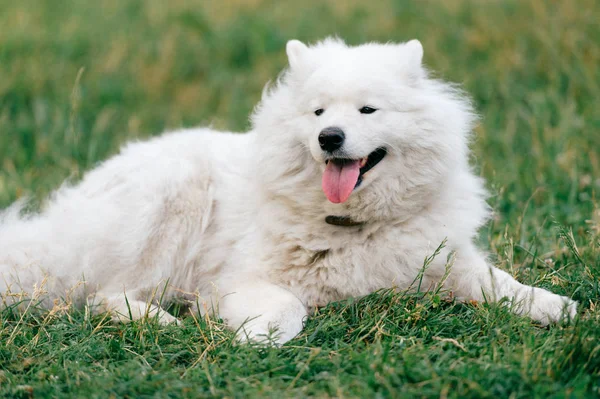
(362,124)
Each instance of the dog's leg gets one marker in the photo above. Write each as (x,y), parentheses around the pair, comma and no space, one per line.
(259,310)
(124,307)
(472,278)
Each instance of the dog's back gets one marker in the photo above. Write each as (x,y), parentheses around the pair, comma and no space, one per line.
(135,221)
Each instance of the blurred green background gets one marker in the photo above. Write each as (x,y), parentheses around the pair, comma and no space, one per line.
(79,78)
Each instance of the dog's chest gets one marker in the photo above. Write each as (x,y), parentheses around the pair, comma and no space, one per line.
(320,271)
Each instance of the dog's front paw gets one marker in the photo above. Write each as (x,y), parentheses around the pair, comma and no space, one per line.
(262,312)
(268,333)
(547,307)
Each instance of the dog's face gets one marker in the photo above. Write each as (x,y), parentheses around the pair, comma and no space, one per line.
(352,110)
(367,118)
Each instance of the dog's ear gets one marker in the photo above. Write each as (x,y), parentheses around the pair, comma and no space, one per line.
(412,57)
(297,53)
(414,50)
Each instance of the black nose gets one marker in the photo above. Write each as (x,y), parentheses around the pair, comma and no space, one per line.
(331,138)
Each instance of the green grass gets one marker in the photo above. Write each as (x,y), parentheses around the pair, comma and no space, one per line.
(77,79)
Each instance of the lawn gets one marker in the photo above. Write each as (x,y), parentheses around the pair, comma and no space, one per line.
(78,79)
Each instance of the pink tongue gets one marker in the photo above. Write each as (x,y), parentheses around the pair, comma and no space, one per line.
(339,181)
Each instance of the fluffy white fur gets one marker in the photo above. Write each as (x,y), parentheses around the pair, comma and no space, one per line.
(237,221)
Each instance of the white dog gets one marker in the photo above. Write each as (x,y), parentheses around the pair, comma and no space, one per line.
(355,171)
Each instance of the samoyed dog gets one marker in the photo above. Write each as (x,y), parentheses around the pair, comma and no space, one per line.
(355,171)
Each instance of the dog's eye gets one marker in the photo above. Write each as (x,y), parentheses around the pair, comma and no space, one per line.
(319,111)
(367,110)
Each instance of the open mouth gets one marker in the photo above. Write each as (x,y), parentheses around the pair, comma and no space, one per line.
(343,175)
